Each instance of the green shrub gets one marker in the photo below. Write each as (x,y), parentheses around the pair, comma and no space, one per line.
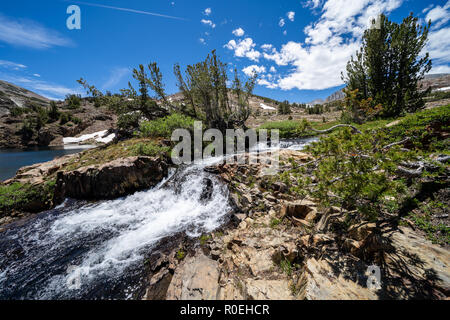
(64,118)
(18,111)
(53,113)
(73,101)
(181,254)
(128,122)
(163,127)
(149,149)
(27,130)
(204,239)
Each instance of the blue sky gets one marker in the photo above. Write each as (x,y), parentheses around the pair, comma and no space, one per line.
(298,47)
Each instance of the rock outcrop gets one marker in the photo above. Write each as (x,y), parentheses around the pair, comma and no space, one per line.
(113,179)
(196,278)
(284,248)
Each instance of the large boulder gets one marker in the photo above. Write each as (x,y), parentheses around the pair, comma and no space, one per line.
(113,179)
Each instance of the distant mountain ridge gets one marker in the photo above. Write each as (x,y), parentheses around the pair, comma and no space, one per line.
(435,81)
(14,96)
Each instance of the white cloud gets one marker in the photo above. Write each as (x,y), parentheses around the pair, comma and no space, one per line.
(37,75)
(208,23)
(291,15)
(317,64)
(267,47)
(27,33)
(285,32)
(251,70)
(440,69)
(281,23)
(202,40)
(239,32)
(340,17)
(117,74)
(11,65)
(267,84)
(313,4)
(439,47)
(272,69)
(439,15)
(207,11)
(244,48)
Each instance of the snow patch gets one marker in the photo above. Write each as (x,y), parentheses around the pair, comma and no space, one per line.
(97,136)
(266,107)
(443,89)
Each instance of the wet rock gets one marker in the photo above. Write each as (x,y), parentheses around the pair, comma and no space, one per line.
(113,179)
(158,286)
(196,278)
(208,189)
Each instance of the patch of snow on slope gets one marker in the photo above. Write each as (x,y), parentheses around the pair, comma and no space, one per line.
(98,136)
(266,107)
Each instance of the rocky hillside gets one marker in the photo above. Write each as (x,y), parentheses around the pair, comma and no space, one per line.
(27,121)
(12,96)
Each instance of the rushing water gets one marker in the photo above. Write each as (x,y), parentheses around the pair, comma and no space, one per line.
(104,244)
(12,160)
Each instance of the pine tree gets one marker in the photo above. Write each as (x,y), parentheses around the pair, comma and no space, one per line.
(207,96)
(390,65)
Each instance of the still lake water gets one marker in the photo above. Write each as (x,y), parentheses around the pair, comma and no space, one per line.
(12,160)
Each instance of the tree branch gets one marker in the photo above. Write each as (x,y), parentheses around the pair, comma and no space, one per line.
(355,130)
(396,143)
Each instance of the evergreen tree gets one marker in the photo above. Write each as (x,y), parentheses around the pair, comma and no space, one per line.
(284,108)
(390,65)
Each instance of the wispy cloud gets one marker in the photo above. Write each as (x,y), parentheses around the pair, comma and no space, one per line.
(208,23)
(128,10)
(116,76)
(11,65)
(28,33)
(47,89)
(239,32)
(207,11)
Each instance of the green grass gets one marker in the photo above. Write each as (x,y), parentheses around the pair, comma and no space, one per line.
(149,149)
(275,222)
(436,233)
(286,267)
(181,254)
(19,196)
(428,129)
(122,149)
(163,127)
(294,129)
(204,239)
